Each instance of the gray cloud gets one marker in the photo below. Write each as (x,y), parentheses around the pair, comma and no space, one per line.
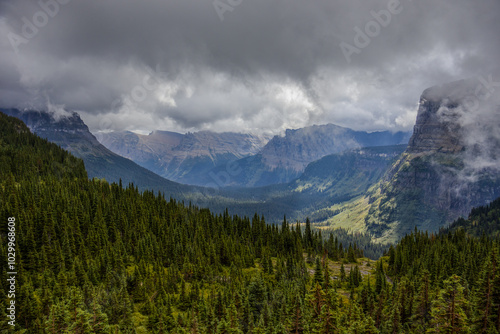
(269,65)
(471,111)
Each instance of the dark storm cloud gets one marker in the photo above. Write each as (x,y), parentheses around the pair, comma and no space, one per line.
(268,65)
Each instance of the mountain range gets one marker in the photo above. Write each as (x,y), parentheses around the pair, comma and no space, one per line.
(185,158)
(326,173)
(332,179)
(203,158)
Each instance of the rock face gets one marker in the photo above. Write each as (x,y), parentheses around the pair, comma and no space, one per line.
(451,165)
(438,127)
(185,158)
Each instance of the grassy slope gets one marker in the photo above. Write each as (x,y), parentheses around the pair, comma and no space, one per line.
(397,202)
(331,180)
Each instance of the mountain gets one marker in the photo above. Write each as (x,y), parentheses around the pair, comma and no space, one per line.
(284,158)
(333,179)
(100,258)
(484,220)
(24,155)
(330,180)
(452,164)
(72,134)
(187,158)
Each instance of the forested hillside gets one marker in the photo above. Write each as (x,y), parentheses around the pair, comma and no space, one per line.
(98,258)
(72,134)
(484,220)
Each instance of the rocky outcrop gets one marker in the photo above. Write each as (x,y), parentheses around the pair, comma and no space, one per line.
(451,165)
(438,127)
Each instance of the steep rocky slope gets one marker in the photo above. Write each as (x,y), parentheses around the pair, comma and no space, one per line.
(452,163)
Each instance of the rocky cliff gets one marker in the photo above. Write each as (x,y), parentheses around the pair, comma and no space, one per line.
(451,165)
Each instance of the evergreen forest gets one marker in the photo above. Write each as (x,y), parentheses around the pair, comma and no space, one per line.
(94,257)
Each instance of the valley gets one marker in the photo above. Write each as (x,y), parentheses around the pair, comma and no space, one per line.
(249,167)
(384,191)
(114,260)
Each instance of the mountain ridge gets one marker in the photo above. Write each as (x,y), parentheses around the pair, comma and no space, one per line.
(183,157)
(72,134)
(285,158)
(443,174)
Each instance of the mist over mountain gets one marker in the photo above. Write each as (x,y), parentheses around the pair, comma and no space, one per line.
(451,165)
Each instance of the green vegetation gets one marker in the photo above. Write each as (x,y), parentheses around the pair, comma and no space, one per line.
(482,221)
(99,258)
(325,183)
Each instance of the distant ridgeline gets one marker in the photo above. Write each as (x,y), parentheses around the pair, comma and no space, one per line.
(97,258)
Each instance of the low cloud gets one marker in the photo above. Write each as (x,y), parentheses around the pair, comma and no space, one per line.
(267,66)
(471,108)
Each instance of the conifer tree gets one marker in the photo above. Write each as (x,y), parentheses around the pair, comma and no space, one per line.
(318,274)
(342,273)
(485,301)
(448,311)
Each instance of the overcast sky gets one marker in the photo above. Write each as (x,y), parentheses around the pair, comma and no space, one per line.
(257,66)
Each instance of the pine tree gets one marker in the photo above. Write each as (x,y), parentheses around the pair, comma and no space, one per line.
(297,326)
(448,310)
(58,319)
(484,304)
(351,255)
(308,237)
(342,273)
(421,315)
(318,274)
(327,280)
(380,281)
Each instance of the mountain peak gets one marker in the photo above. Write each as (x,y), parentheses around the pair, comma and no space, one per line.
(456,117)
